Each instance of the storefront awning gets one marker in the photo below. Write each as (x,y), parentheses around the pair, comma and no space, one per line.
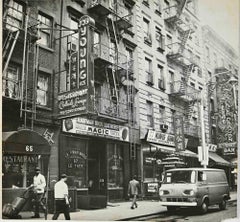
(24,142)
(165,149)
(219,160)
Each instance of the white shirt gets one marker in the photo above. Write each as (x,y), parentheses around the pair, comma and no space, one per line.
(60,190)
(39,183)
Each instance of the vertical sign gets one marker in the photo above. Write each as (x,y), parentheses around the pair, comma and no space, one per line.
(179,133)
(80,99)
(226,124)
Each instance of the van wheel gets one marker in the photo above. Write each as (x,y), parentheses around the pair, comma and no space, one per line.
(171,209)
(222,206)
(204,207)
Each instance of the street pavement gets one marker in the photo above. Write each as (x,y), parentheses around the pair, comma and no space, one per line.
(115,211)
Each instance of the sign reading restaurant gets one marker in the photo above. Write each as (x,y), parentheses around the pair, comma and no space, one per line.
(79,99)
(160,138)
(84,126)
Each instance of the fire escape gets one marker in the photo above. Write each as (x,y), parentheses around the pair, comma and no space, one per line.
(20,34)
(178,54)
(113,67)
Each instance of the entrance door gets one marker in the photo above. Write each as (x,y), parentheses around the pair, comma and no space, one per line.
(97,167)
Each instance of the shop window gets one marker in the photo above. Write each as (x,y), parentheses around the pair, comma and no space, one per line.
(45,26)
(43,89)
(115,166)
(18,170)
(11,82)
(14,17)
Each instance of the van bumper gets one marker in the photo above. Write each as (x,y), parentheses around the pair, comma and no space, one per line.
(180,204)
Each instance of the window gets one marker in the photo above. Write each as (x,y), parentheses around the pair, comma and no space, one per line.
(146,31)
(167,6)
(96,43)
(43,83)
(73,37)
(169,41)
(112,52)
(148,70)
(158,7)
(160,39)
(161,113)
(14,17)
(192,84)
(150,113)
(46,24)
(161,81)
(130,61)
(11,84)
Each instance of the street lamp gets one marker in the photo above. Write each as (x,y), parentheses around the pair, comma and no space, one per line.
(203,150)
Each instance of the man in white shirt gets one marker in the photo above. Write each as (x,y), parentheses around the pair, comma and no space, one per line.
(61,198)
(39,184)
(133,190)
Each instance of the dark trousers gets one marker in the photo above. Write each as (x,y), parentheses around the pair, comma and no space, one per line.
(61,207)
(37,197)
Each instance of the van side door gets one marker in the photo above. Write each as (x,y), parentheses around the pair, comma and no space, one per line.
(202,188)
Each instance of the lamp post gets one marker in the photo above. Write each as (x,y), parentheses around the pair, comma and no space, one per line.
(204,148)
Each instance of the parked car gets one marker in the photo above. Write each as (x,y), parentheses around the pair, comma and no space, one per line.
(194,187)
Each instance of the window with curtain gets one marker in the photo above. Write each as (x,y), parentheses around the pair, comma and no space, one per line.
(46,24)
(10,82)
(14,17)
(115,166)
(43,83)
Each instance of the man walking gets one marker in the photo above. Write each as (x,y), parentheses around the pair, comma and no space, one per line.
(61,198)
(133,190)
(39,184)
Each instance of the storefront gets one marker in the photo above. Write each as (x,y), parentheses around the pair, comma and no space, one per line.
(160,154)
(22,151)
(95,156)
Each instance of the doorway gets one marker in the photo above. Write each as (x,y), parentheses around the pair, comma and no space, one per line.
(97,167)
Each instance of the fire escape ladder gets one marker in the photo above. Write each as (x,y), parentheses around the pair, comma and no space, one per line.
(9,47)
(184,39)
(181,7)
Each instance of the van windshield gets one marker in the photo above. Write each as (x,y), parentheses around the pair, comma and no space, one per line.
(185,176)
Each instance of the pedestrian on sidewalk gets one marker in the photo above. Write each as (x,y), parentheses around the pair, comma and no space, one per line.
(39,184)
(133,190)
(61,198)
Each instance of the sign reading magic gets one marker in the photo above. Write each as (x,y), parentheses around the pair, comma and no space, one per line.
(80,98)
(161,138)
(91,127)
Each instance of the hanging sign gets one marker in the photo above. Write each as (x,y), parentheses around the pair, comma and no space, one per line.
(160,138)
(179,133)
(80,99)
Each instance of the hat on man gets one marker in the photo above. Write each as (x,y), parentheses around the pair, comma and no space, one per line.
(63,175)
(37,169)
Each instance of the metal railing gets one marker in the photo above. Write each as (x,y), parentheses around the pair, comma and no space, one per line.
(107,107)
(191,130)
(109,54)
(182,89)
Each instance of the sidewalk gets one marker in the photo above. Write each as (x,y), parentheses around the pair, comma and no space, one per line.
(116,211)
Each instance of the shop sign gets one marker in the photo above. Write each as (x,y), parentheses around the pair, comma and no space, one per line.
(80,99)
(179,133)
(152,187)
(20,159)
(48,135)
(160,138)
(212,148)
(75,159)
(229,151)
(84,126)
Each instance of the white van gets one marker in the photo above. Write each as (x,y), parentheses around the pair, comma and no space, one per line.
(194,187)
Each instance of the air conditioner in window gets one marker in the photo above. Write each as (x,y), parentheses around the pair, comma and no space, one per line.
(72,47)
(164,127)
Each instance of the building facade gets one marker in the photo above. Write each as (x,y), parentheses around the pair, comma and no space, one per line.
(68,92)
(170,80)
(221,74)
